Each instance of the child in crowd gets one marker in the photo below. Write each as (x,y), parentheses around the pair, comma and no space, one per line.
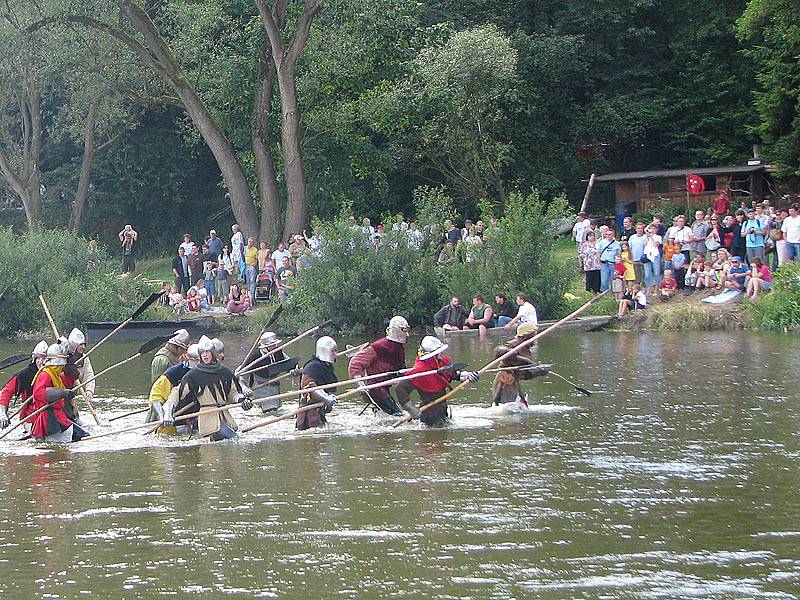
(633,299)
(667,286)
(176,300)
(210,279)
(618,280)
(627,259)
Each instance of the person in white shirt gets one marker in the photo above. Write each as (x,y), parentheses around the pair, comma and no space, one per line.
(187,244)
(526,315)
(400,223)
(791,233)
(580,228)
(280,254)
(237,244)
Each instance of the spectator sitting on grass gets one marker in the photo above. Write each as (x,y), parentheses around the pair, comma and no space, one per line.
(667,286)
(758,279)
(238,301)
(634,299)
(737,274)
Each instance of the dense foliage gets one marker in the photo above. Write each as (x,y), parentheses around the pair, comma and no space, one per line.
(780,308)
(482,98)
(57,262)
(349,278)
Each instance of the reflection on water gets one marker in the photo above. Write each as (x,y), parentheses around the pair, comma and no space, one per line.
(677,478)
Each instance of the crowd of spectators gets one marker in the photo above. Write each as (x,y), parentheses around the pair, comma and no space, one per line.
(721,249)
(234,276)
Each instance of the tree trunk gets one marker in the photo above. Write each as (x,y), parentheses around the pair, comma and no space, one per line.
(297,196)
(157,56)
(86,170)
(264,163)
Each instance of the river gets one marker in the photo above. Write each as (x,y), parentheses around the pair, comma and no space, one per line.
(677,478)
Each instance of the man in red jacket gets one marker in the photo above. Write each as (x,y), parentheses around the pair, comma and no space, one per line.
(21,385)
(51,389)
(385,354)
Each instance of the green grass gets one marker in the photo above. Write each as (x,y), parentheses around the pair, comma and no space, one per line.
(155,269)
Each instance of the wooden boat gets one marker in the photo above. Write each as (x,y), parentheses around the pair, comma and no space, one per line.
(575,325)
(143,330)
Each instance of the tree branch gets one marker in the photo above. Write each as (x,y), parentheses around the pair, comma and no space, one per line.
(303,31)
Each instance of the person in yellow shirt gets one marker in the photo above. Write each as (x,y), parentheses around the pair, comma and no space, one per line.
(251,267)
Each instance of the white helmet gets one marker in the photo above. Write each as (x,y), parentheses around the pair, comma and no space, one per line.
(75,339)
(268,340)
(219,347)
(205,344)
(180,338)
(398,330)
(39,349)
(326,349)
(193,353)
(430,346)
(64,343)
(56,356)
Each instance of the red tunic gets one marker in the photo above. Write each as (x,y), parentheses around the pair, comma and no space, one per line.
(54,419)
(20,385)
(380,356)
(434,382)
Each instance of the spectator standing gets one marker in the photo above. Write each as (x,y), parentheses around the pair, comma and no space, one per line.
(128,238)
(297,248)
(187,244)
(679,268)
(722,204)
(285,278)
(224,272)
(651,258)
(791,233)
(737,247)
(263,256)
(754,231)
(700,230)
(453,233)
(280,254)
(636,244)
(627,229)
(366,228)
(626,254)
(210,273)
(399,223)
(237,249)
(579,229)
(180,268)
(507,310)
(590,257)
(251,267)
(195,265)
(214,244)
(608,249)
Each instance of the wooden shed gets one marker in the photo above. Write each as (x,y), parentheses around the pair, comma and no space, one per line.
(651,189)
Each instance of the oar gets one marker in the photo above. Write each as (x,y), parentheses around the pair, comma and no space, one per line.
(499,359)
(250,368)
(272,319)
(55,333)
(143,307)
(517,368)
(130,414)
(13,360)
(578,388)
(148,346)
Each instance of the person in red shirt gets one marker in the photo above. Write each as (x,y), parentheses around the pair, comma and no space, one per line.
(667,286)
(21,386)
(722,204)
(51,390)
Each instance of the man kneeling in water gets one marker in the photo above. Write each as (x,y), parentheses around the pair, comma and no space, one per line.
(433,386)
(209,385)
(505,387)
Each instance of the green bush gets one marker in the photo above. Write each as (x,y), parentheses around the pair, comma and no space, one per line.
(57,261)
(780,308)
(351,280)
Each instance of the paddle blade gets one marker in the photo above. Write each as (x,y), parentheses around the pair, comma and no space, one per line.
(146,304)
(14,360)
(4,295)
(152,344)
(583,391)
(36,287)
(274,316)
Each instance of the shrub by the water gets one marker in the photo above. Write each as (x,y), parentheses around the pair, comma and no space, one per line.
(780,308)
(57,261)
(350,279)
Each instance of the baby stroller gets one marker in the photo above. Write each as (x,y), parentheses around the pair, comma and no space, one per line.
(265,287)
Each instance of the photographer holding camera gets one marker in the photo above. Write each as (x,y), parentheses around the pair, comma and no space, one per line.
(754,230)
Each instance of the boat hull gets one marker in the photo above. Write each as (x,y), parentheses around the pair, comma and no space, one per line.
(575,325)
(144,330)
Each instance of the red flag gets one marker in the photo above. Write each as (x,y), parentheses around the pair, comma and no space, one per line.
(695,184)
